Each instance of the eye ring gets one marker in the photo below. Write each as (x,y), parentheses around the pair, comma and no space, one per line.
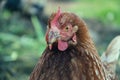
(66,28)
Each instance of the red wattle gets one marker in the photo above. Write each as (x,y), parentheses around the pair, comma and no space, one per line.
(62,46)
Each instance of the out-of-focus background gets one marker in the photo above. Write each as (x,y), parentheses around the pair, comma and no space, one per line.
(23,25)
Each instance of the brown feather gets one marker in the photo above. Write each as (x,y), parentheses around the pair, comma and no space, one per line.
(78,62)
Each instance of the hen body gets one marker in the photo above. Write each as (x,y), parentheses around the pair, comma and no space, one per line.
(79,61)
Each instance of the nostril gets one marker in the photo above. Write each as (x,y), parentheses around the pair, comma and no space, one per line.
(53,36)
(56,34)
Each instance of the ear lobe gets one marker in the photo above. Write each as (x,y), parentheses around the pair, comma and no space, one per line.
(75,29)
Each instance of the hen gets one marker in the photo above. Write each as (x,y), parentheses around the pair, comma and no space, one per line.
(71,54)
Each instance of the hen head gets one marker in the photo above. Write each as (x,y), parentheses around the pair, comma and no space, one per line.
(61,30)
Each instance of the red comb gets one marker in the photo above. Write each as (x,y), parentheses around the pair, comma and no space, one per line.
(54,21)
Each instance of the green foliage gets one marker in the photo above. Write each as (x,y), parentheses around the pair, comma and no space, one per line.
(18,41)
(104,10)
(37,27)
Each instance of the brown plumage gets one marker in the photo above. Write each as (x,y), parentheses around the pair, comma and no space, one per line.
(78,61)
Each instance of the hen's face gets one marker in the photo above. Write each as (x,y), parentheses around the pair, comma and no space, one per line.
(61,31)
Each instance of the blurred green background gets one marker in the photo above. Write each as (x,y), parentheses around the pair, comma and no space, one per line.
(23,25)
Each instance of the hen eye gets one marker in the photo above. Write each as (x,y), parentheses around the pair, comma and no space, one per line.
(66,28)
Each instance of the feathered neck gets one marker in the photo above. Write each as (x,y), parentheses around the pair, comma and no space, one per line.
(79,62)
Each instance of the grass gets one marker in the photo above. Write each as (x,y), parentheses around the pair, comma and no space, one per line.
(106,11)
(39,33)
(19,45)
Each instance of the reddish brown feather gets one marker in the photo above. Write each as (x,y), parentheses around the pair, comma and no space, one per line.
(78,62)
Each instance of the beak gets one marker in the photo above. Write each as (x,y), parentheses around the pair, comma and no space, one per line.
(53,36)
